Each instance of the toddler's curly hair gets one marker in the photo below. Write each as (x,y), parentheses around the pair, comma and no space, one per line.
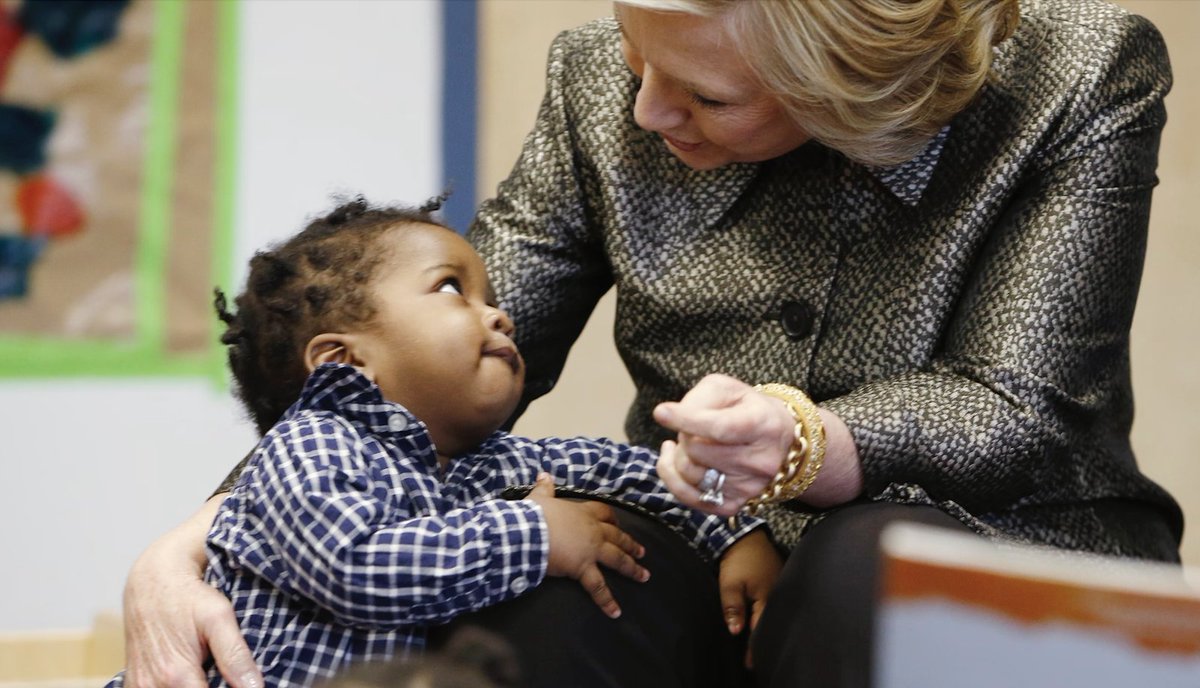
(317,281)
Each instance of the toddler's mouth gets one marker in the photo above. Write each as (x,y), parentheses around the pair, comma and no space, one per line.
(506,352)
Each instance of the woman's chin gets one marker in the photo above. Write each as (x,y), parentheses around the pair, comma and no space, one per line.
(696,159)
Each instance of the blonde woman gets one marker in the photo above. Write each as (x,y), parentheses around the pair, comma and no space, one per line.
(908,235)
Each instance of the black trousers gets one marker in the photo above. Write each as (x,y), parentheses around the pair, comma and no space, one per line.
(816,632)
(670,633)
(818,628)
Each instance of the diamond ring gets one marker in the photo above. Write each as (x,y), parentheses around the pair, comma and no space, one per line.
(710,487)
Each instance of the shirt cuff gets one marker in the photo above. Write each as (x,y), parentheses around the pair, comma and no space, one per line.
(520,548)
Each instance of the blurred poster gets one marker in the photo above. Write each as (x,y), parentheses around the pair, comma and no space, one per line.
(108,184)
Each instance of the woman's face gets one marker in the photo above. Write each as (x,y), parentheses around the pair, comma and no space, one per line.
(698,94)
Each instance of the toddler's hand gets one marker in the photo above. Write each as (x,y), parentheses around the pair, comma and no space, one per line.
(584,534)
(749,569)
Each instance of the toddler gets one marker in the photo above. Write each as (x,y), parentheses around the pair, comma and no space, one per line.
(374,507)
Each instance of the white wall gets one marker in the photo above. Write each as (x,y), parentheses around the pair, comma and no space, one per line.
(334,96)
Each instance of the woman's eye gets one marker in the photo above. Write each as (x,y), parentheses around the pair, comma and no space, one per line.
(450,286)
(706,102)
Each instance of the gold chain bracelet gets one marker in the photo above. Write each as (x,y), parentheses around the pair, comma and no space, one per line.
(806,454)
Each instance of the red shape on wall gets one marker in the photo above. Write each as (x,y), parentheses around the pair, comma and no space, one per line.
(47,208)
(10,35)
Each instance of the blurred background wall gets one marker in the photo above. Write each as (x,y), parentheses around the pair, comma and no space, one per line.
(338,95)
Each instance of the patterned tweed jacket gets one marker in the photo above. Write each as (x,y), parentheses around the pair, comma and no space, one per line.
(966,313)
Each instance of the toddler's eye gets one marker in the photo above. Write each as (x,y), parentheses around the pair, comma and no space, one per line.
(450,285)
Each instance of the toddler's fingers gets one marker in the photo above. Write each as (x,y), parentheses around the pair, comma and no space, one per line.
(756,611)
(625,541)
(618,560)
(595,585)
(543,487)
(599,511)
(733,606)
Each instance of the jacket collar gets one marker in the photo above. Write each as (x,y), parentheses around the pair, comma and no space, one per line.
(699,199)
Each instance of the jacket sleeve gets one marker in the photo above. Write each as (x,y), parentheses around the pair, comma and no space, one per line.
(543,257)
(320,523)
(1033,378)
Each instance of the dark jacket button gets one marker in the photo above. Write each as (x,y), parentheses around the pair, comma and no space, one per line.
(797,319)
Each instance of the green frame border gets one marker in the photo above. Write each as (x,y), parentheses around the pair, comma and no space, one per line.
(34,356)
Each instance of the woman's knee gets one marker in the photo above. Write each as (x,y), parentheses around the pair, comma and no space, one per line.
(670,633)
(819,620)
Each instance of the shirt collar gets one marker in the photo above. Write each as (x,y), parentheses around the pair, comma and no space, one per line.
(908,180)
(342,389)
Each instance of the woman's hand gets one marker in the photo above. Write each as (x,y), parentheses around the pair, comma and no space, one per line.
(724,424)
(173,619)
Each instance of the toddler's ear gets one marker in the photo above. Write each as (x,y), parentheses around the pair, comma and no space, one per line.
(329,348)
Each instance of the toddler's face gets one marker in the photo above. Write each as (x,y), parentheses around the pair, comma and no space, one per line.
(440,345)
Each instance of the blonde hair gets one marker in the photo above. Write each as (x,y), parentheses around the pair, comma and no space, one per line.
(873,79)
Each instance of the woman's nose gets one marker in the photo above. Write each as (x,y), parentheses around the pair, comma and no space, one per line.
(497,319)
(657,107)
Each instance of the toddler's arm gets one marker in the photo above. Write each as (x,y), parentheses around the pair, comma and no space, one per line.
(628,474)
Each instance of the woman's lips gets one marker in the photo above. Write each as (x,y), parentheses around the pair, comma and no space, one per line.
(681,145)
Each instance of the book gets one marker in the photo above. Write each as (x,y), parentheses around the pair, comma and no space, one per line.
(959,610)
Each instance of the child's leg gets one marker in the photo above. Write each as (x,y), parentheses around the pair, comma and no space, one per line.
(670,633)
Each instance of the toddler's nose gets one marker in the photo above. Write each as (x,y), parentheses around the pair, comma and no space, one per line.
(497,319)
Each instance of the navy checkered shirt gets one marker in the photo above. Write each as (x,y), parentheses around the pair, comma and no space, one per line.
(341,542)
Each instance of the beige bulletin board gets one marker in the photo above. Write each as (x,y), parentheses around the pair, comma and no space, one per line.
(116,214)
